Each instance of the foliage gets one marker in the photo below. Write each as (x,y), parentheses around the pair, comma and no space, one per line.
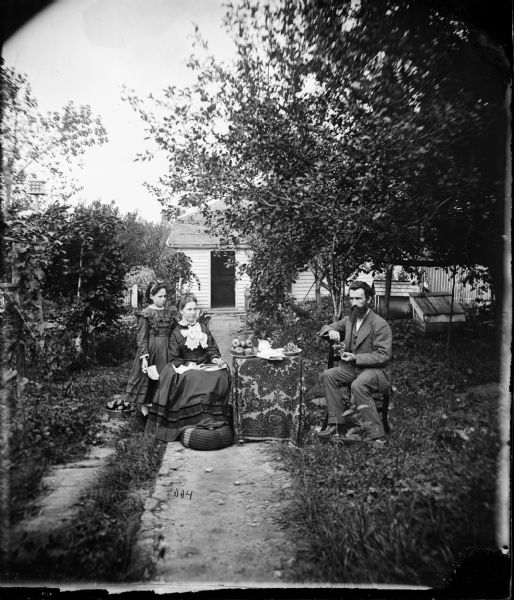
(115,344)
(37,146)
(70,281)
(421,74)
(175,269)
(407,512)
(36,247)
(339,133)
(99,543)
(141,242)
(51,346)
(90,278)
(139,275)
(32,245)
(55,423)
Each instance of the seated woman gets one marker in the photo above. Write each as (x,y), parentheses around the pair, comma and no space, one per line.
(193,396)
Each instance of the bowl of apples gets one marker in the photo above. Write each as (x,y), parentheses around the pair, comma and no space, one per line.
(243,348)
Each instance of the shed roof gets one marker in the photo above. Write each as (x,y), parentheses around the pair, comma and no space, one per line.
(436,303)
(190,235)
(193,236)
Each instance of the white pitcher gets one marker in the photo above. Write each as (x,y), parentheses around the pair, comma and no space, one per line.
(264,346)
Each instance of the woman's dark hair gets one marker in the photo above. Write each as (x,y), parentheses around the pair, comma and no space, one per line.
(185,299)
(154,287)
(362,285)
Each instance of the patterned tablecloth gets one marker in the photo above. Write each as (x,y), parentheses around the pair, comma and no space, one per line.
(268,399)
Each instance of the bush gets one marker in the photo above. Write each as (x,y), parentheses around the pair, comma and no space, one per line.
(55,423)
(117,342)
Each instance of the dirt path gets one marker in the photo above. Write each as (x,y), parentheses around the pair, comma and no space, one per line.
(214,517)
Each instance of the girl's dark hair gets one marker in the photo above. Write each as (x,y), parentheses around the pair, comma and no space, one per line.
(185,299)
(154,287)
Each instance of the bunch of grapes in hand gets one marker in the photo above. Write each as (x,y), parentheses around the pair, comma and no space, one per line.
(339,348)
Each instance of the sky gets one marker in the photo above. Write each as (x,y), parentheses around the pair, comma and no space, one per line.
(86,50)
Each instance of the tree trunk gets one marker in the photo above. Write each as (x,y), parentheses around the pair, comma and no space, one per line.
(13,331)
(387,296)
(79,283)
(317,273)
(336,302)
(40,305)
(341,302)
(317,291)
(5,470)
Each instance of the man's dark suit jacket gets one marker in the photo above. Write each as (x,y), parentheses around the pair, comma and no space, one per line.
(374,345)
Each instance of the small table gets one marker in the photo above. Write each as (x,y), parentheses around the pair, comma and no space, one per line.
(268,399)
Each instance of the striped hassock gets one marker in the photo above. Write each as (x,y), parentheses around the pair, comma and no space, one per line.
(200,438)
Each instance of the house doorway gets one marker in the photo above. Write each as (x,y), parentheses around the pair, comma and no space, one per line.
(223,279)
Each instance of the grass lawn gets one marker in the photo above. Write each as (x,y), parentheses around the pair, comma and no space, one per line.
(56,423)
(98,544)
(406,513)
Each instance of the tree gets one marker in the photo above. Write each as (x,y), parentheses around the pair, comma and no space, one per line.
(434,102)
(42,146)
(269,166)
(175,269)
(142,242)
(87,279)
(335,136)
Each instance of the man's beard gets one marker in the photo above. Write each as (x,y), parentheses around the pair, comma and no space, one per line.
(357,313)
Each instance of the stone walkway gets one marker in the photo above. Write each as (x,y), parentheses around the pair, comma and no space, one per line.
(214,517)
(63,486)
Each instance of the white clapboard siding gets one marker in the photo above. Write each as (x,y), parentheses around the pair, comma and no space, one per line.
(243,282)
(398,288)
(201,267)
(303,288)
(439,280)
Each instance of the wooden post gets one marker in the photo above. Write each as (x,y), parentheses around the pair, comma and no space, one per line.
(8,374)
(79,283)
(387,292)
(449,340)
(134,296)
(502,513)
(5,469)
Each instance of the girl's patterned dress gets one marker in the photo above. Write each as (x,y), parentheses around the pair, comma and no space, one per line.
(154,328)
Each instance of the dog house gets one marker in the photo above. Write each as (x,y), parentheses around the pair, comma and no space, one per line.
(431,312)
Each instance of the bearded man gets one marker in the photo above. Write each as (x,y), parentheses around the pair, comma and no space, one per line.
(368,350)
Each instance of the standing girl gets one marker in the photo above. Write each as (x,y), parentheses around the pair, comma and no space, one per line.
(155,324)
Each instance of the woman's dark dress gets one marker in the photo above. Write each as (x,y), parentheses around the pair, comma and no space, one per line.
(193,397)
(154,327)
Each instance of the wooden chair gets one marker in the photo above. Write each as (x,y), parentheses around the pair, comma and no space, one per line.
(381,400)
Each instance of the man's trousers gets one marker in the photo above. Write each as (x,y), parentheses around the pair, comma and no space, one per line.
(363,385)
